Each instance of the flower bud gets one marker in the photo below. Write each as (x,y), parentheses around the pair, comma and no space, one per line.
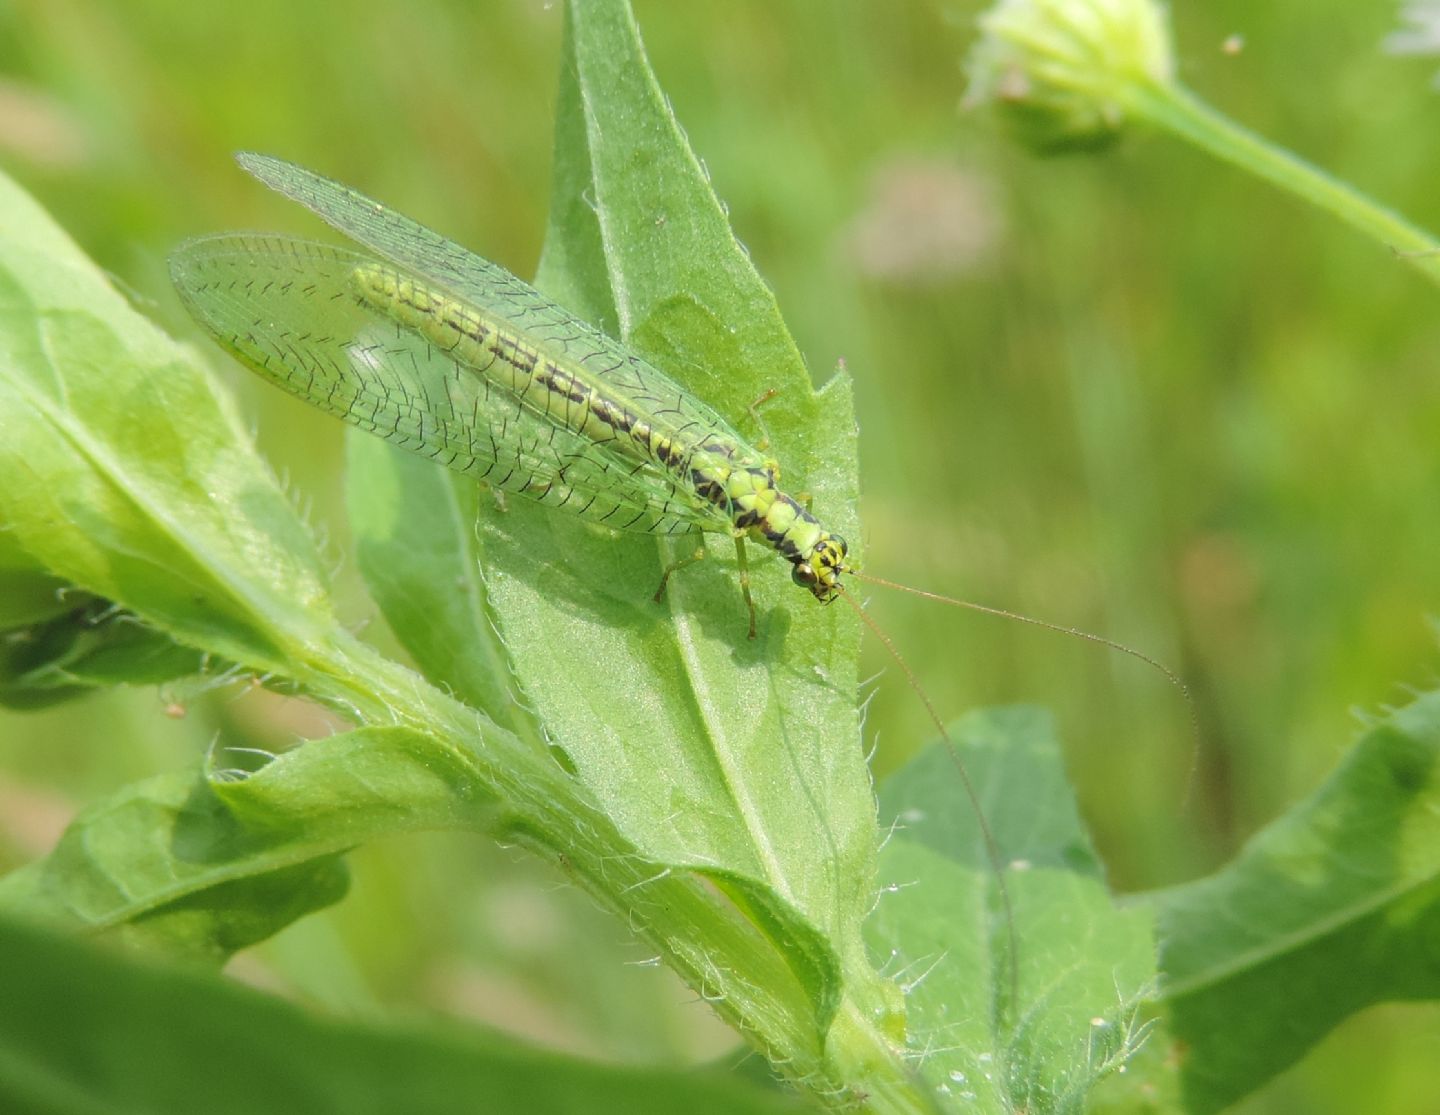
(1066,72)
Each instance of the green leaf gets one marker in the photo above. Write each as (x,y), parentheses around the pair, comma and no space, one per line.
(1083,963)
(127,474)
(736,760)
(93,646)
(83,1030)
(1332,908)
(209,864)
(420,555)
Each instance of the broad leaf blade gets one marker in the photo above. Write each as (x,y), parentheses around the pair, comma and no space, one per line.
(416,540)
(126,471)
(1332,908)
(715,755)
(1083,964)
(84,1030)
(206,866)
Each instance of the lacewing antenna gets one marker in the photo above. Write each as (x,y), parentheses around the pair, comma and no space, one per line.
(1089,636)
(992,849)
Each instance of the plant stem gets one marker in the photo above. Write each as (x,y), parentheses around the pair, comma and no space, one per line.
(1180,112)
(747,981)
(874,1067)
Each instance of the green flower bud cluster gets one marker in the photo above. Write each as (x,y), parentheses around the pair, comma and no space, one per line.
(1065,72)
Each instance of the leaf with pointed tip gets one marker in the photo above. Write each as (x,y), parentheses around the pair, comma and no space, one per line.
(1083,963)
(206,865)
(734,760)
(1333,907)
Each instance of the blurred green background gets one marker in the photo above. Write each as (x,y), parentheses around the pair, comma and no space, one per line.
(1137,393)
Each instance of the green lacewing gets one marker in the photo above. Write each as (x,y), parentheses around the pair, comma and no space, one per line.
(452,357)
